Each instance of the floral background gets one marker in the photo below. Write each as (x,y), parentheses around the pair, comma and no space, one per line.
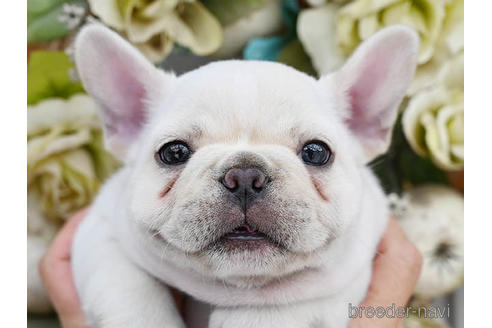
(422,172)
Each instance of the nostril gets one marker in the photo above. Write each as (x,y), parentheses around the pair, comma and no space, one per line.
(230,180)
(259,183)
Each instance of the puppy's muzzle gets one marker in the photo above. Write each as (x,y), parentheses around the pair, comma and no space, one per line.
(245,184)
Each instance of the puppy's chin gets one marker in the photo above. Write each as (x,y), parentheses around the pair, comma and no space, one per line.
(242,263)
(246,261)
(250,262)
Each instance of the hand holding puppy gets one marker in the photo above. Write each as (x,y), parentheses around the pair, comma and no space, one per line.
(396,270)
(56,271)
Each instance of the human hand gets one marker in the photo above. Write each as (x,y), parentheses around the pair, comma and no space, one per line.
(56,272)
(396,270)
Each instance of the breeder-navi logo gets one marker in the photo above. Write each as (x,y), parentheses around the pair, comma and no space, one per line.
(393,311)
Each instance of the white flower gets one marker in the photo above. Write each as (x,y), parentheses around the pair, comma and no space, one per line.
(360,19)
(398,205)
(434,223)
(316,30)
(72,15)
(154,25)
(65,158)
(330,32)
(449,45)
(433,121)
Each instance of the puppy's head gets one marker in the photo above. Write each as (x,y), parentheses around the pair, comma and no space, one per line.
(246,169)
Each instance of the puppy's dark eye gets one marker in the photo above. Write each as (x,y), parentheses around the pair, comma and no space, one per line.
(315,153)
(174,153)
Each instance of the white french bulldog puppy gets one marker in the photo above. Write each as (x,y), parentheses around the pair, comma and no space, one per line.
(244,185)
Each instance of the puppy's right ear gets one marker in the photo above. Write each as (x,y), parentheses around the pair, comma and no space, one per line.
(121,81)
(373,82)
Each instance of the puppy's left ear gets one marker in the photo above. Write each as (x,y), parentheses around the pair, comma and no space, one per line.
(373,83)
(122,82)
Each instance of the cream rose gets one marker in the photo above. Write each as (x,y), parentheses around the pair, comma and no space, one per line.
(329,33)
(362,18)
(449,46)
(65,158)
(154,26)
(433,121)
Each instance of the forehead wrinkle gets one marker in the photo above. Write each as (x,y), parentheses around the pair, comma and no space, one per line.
(264,125)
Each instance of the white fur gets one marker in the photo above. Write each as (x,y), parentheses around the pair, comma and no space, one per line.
(328,220)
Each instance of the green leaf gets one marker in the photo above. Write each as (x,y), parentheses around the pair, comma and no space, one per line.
(293,54)
(229,11)
(37,8)
(104,163)
(47,27)
(419,170)
(401,166)
(43,20)
(48,77)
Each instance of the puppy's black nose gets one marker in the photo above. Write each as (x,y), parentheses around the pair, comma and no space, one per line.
(245,183)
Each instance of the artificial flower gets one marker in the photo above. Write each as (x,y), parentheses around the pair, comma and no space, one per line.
(433,121)
(434,222)
(316,31)
(331,32)
(360,19)
(449,45)
(244,20)
(154,26)
(66,161)
(398,204)
(71,15)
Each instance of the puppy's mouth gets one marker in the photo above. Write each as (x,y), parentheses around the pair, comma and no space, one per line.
(245,232)
(245,238)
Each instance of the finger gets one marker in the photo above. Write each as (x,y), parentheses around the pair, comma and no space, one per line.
(56,273)
(396,268)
